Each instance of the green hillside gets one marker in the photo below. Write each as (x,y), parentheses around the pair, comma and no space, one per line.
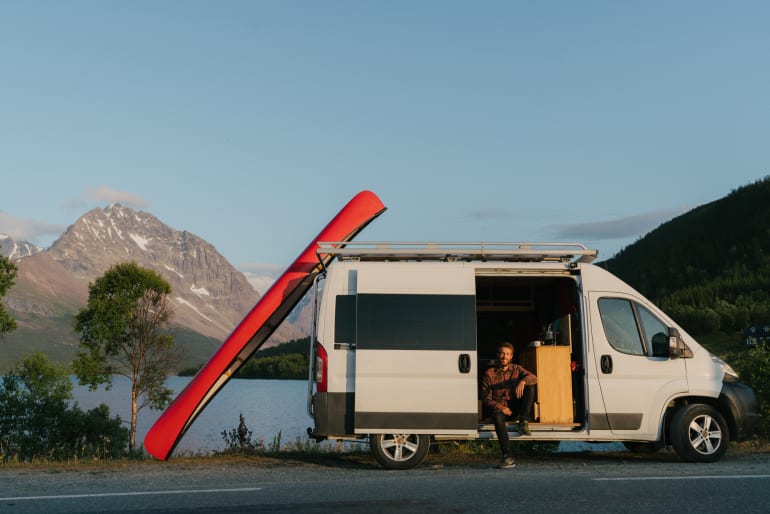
(286,361)
(709,268)
(55,338)
(51,336)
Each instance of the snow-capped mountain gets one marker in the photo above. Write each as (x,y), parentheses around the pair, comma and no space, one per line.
(15,250)
(210,297)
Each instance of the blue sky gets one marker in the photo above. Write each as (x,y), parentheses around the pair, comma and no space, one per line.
(250,123)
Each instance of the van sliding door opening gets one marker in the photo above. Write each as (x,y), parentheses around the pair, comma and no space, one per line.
(540,316)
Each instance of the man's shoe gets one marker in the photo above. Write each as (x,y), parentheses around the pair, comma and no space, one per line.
(524,428)
(507,462)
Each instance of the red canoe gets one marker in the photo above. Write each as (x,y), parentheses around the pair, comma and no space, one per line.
(257,326)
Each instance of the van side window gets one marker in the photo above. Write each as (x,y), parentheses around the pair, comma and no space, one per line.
(345,319)
(620,325)
(652,326)
(631,328)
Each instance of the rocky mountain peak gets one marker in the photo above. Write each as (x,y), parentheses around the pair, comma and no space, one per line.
(210,296)
(16,249)
(102,237)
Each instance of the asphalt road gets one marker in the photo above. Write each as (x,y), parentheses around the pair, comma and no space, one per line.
(584,482)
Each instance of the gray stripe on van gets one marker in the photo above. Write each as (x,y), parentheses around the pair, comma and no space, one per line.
(416,420)
(615,421)
(625,421)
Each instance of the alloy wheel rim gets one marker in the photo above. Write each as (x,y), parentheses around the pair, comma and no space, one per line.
(705,435)
(399,447)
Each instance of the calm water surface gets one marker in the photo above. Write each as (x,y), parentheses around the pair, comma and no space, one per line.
(268,406)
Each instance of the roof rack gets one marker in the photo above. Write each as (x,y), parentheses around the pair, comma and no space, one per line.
(483,251)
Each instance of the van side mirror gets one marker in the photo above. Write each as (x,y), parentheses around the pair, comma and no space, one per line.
(676,347)
(660,345)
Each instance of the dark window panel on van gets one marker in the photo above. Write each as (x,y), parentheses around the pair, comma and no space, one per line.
(416,322)
(345,319)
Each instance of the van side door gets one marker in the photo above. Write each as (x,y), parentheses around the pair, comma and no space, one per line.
(415,365)
(635,382)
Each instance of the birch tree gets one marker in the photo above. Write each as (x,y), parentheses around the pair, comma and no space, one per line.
(123,332)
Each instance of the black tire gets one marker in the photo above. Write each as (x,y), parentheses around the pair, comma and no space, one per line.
(644,447)
(699,433)
(400,451)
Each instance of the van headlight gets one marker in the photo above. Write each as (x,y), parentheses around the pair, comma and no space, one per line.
(730,374)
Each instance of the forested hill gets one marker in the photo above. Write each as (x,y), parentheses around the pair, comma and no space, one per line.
(285,361)
(710,267)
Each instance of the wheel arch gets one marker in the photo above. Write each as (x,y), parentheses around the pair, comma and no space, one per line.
(739,405)
(682,402)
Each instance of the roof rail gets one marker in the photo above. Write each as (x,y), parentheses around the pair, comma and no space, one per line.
(480,251)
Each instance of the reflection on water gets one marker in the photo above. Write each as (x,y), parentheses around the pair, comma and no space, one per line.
(268,406)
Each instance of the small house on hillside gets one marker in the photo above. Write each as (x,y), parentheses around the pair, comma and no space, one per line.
(756,334)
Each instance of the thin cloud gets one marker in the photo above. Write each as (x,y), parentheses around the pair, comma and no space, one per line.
(261,276)
(621,228)
(110,195)
(490,214)
(262,269)
(25,229)
(75,204)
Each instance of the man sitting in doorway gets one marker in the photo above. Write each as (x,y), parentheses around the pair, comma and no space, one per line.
(507,393)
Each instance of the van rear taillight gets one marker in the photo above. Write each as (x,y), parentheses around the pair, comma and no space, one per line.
(321,368)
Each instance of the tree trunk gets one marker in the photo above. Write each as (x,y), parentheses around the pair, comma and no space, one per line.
(132,430)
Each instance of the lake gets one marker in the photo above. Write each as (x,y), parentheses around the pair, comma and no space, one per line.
(268,406)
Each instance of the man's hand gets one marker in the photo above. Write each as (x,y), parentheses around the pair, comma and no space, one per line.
(520,389)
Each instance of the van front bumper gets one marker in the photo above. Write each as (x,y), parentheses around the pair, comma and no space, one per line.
(739,402)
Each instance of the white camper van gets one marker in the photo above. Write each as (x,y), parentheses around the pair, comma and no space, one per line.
(404,331)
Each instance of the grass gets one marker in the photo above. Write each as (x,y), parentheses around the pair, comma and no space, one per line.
(466,454)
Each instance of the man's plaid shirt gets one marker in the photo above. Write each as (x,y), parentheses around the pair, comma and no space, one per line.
(498,385)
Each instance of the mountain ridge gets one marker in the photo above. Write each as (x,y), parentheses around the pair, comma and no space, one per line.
(709,268)
(209,296)
(15,249)
(708,241)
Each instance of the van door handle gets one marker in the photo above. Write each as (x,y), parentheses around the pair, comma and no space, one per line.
(464,363)
(606,363)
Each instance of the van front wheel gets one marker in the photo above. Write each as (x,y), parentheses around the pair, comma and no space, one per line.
(699,433)
(400,451)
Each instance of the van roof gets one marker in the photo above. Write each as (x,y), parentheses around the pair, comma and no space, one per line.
(479,251)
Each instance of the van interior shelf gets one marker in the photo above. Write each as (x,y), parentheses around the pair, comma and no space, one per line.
(479,251)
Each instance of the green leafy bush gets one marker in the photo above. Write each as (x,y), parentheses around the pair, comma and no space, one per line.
(240,440)
(38,422)
(754,368)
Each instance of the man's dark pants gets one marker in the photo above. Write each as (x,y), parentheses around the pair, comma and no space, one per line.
(520,409)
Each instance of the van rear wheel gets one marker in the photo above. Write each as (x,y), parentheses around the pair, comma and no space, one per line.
(699,433)
(400,451)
